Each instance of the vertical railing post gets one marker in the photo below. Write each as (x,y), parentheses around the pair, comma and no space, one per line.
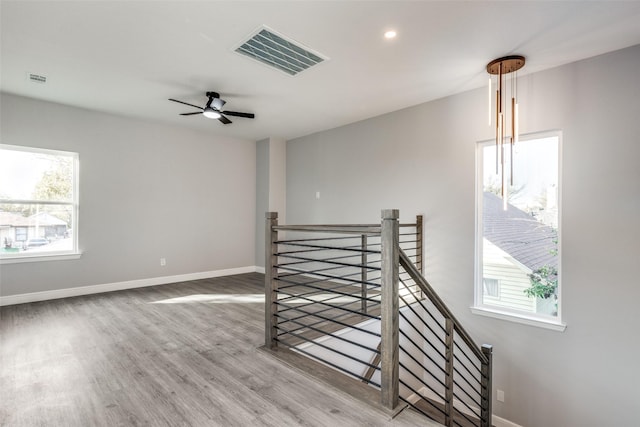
(363,273)
(270,282)
(389,342)
(448,368)
(485,385)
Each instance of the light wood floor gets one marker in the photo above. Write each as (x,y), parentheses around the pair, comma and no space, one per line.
(175,355)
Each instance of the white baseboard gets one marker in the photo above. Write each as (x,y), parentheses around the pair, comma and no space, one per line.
(495,420)
(259,269)
(130,284)
(501,422)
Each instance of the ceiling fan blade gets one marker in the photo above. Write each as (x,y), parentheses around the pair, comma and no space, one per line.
(190,114)
(186,103)
(237,114)
(224,120)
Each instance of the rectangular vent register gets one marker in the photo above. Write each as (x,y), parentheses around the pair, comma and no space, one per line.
(279,52)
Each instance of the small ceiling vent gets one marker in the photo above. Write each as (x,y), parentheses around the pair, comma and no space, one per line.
(279,52)
(37,78)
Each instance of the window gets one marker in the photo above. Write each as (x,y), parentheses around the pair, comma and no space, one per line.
(517,237)
(491,287)
(38,203)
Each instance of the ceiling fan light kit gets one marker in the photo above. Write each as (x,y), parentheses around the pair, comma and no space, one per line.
(210,113)
(213,109)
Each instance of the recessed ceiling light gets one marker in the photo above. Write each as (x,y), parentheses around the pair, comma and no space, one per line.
(390,34)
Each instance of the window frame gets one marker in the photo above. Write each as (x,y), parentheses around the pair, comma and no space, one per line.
(59,255)
(505,313)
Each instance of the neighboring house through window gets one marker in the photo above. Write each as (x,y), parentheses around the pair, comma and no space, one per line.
(38,202)
(517,241)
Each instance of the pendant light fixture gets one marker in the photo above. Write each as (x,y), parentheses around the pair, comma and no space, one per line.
(500,68)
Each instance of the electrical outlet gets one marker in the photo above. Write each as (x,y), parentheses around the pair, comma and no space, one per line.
(163,262)
(500,395)
(317,194)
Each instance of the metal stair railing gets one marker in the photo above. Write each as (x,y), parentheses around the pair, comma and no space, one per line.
(352,296)
(459,374)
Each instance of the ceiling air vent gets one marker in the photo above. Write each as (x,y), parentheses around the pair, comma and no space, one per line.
(275,50)
(37,78)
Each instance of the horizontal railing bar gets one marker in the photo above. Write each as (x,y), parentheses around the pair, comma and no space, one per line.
(471,374)
(353,251)
(334,263)
(335,321)
(331,248)
(283,253)
(334,285)
(328,276)
(345,277)
(356,298)
(302,260)
(470,398)
(291,272)
(297,296)
(465,415)
(333,365)
(440,305)
(322,238)
(313,323)
(427,355)
(474,388)
(436,321)
(293,284)
(421,382)
(455,369)
(355,359)
(417,393)
(333,336)
(321,248)
(329,305)
(324,261)
(293,296)
(407,241)
(477,368)
(424,337)
(333,258)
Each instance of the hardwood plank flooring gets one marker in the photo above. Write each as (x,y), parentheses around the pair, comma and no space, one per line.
(184,354)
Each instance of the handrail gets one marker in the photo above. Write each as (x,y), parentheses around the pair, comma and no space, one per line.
(338,228)
(440,305)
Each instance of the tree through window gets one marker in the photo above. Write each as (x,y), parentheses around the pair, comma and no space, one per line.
(38,202)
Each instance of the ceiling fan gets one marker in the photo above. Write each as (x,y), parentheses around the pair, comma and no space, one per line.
(213,109)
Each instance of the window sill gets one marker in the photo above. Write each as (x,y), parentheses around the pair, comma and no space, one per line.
(40,258)
(554,325)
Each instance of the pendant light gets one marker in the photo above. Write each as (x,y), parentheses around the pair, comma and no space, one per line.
(500,68)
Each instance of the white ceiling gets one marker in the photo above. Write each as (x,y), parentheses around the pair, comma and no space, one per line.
(129,57)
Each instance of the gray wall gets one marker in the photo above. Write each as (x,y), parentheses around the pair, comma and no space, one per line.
(262,197)
(271,155)
(422,160)
(147,191)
